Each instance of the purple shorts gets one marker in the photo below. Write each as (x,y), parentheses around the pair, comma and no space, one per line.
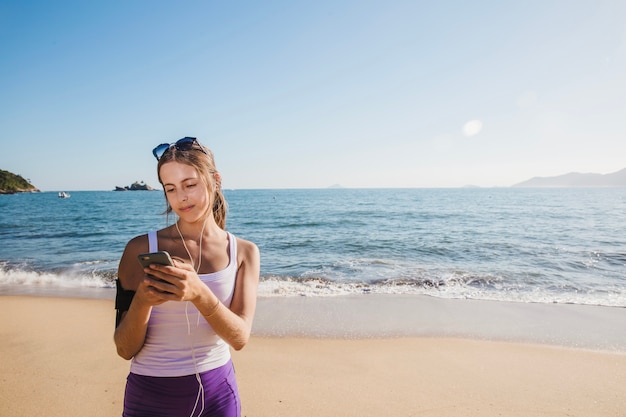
(149,396)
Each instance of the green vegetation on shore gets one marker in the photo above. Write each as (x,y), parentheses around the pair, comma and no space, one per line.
(11,183)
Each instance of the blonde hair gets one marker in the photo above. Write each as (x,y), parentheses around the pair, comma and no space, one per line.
(201,159)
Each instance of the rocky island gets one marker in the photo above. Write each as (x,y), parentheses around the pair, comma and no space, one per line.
(136,186)
(11,183)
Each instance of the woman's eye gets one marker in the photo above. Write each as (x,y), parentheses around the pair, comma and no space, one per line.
(169,190)
(191,185)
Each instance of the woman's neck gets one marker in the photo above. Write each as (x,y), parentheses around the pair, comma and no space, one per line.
(193,231)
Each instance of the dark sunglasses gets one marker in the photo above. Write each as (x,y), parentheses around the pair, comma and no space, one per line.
(184,144)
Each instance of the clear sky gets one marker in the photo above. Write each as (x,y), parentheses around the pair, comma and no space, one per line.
(299,94)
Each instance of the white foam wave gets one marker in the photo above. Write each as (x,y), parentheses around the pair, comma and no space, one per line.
(66,279)
(274,286)
(280,287)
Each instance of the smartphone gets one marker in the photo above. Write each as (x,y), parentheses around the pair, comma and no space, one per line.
(161,258)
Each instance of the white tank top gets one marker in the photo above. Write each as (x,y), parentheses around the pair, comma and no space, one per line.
(179,341)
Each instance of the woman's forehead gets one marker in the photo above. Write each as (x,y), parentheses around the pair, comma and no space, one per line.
(176,171)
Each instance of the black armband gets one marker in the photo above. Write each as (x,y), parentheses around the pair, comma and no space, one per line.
(123,298)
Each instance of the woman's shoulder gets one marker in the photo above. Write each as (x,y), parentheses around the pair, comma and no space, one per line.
(141,243)
(246,249)
(130,271)
(138,244)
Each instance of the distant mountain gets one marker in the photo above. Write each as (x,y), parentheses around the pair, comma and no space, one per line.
(577,179)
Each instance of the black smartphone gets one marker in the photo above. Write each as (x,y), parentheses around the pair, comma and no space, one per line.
(161,258)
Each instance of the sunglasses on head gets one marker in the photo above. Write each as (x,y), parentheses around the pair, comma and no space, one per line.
(184,144)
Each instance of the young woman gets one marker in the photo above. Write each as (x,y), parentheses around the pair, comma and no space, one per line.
(177,323)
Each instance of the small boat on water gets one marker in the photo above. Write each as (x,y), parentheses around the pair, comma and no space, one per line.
(63,194)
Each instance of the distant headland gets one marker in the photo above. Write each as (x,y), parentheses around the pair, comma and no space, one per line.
(576,179)
(136,186)
(11,183)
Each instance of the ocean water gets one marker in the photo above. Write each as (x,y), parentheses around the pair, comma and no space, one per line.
(508,244)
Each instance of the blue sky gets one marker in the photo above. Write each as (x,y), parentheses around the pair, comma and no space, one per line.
(293,94)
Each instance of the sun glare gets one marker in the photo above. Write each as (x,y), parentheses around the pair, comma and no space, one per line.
(473,127)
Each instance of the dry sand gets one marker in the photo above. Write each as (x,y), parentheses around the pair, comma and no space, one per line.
(58,359)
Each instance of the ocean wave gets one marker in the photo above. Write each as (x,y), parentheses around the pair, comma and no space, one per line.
(69,278)
(452,287)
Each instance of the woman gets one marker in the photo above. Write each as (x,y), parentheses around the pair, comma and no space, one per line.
(177,323)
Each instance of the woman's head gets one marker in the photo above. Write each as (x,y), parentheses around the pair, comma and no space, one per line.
(188,151)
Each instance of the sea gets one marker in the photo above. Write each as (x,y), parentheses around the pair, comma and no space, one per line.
(557,245)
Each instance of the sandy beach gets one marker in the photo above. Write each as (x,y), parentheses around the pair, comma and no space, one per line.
(58,359)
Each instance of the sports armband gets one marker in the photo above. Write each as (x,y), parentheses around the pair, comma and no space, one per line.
(123,298)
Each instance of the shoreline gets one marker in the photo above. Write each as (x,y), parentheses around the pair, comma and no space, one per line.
(63,360)
(375,316)
(371,316)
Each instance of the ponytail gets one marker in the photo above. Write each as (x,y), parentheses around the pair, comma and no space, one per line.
(220,208)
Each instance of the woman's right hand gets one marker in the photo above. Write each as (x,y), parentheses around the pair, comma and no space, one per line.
(151,291)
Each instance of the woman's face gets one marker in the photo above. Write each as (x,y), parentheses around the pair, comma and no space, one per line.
(185,191)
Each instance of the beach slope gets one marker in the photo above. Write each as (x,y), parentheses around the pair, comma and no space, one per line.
(58,359)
